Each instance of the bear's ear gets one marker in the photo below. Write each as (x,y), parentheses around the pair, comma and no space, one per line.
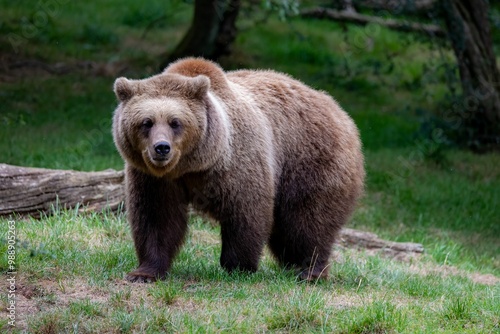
(124,89)
(198,86)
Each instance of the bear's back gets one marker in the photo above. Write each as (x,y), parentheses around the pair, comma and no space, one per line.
(279,93)
(300,115)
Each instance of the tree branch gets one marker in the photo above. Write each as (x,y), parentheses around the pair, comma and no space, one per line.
(361,19)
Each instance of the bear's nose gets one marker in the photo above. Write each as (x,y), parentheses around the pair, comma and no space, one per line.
(162,147)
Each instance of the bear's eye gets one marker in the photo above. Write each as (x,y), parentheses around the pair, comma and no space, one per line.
(175,124)
(147,123)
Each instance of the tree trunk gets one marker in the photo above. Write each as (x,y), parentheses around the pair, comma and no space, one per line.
(31,191)
(470,35)
(212,30)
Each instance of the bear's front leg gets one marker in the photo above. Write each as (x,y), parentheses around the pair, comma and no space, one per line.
(245,230)
(157,213)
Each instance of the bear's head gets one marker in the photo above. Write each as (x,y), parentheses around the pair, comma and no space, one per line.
(160,120)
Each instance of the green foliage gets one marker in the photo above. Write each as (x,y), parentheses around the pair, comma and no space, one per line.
(96,35)
(144,16)
(284,8)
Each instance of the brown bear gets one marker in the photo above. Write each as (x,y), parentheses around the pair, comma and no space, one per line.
(271,159)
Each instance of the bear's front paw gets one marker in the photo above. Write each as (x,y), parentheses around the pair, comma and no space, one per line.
(141,276)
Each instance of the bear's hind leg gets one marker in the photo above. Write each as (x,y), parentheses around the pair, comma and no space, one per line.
(303,236)
(241,248)
(303,254)
(158,218)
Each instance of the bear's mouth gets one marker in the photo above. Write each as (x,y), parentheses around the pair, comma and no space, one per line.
(159,160)
(160,165)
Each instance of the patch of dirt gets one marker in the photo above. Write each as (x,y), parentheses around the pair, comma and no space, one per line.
(32,298)
(12,69)
(445,270)
(346,300)
(189,306)
(201,237)
(74,290)
(487,279)
(25,304)
(26,297)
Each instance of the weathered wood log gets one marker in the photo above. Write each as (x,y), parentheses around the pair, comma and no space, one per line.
(31,191)
(361,19)
(354,238)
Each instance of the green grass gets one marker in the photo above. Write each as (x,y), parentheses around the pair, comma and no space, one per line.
(37,130)
(76,264)
(71,266)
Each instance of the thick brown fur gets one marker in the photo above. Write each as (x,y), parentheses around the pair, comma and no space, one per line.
(271,159)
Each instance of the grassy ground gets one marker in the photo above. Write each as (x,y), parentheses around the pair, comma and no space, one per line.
(71,280)
(71,267)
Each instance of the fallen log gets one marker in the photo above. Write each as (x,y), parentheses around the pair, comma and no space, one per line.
(359,239)
(361,19)
(32,191)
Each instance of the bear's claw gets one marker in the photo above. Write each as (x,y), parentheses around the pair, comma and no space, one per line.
(141,277)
